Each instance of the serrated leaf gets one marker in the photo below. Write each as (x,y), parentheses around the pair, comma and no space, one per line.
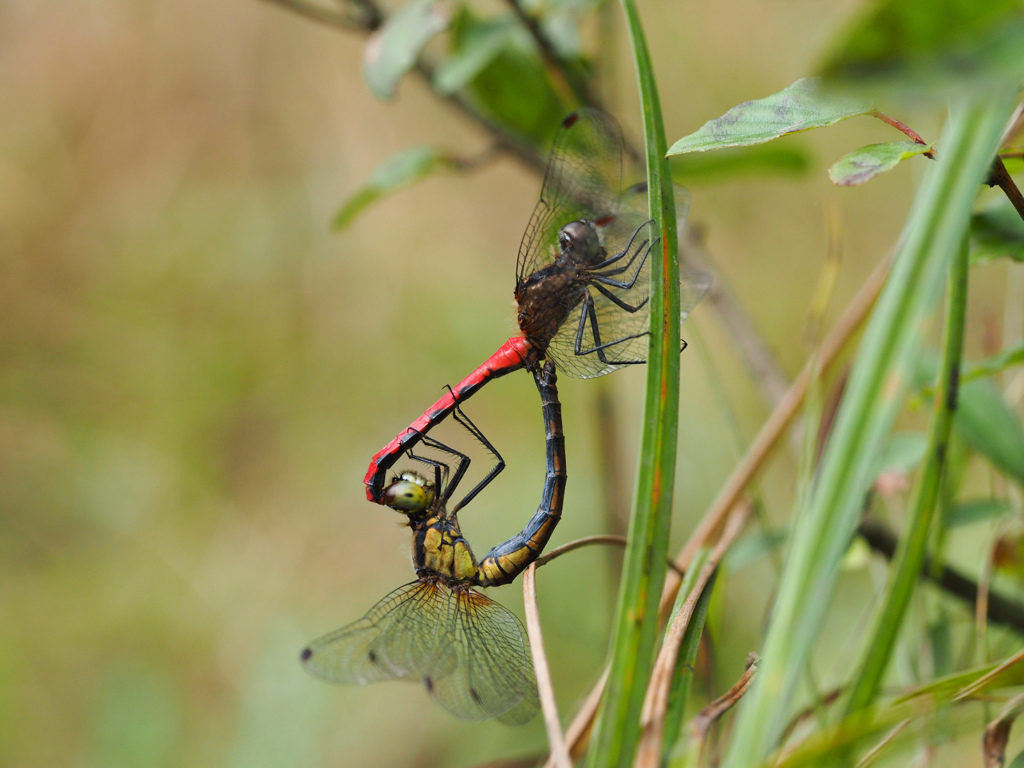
(799,107)
(997,232)
(765,160)
(393,49)
(864,164)
(975,511)
(932,48)
(477,49)
(408,166)
(990,427)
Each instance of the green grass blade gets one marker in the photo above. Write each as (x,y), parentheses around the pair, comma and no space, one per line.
(643,573)
(679,693)
(906,571)
(877,385)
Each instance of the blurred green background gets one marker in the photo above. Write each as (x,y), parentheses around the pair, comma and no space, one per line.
(194,371)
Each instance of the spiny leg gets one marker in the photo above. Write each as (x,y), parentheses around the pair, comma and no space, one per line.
(588,312)
(616,257)
(461,418)
(450,480)
(604,277)
(631,308)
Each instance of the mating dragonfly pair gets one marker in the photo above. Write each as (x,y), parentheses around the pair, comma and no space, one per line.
(582,289)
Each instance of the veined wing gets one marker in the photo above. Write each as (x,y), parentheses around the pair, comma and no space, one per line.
(582,181)
(617,319)
(398,638)
(485,669)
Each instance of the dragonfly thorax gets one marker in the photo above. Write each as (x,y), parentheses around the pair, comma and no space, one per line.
(440,552)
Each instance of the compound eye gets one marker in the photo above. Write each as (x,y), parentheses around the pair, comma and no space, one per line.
(406,496)
(564,240)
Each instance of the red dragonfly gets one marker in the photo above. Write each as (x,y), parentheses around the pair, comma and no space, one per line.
(471,653)
(582,279)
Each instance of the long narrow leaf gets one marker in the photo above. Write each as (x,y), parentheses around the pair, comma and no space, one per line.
(643,573)
(910,555)
(878,382)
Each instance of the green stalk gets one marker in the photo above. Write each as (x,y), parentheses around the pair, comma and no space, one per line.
(643,573)
(906,566)
(679,693)
(873,397)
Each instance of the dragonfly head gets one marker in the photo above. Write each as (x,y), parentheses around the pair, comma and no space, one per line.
(579,241)
(410,493)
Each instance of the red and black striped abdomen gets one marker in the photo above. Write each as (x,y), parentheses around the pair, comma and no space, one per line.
(514,354)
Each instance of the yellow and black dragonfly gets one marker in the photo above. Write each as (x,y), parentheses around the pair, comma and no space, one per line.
(471,653)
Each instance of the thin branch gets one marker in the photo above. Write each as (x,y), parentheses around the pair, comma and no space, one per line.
(1001,610)
(714,711)
(903,128)
(751,347)
(556,740)
(586,541)
(1000,177)
(322,15)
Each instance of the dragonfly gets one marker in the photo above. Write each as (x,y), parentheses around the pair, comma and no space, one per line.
(470,652)
(582,278)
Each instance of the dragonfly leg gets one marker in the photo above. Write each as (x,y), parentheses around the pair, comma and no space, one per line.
(589,313)
(459,415)
(629,246)
(631,308)
(440,468)
(605,278)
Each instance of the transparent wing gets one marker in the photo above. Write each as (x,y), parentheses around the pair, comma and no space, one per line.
(399,637)
(485,670)
(582,181)
(610,329)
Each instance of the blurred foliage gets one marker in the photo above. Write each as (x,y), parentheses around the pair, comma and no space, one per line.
(194,369)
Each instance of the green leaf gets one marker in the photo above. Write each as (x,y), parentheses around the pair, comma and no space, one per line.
(873,397)
(905,570)
(864,164)
(799,107)
(995,365)
(513,87)
(393,49)
(408,166)
(1018,761)
(773,160)
(932,48)
(478,47)
(997,232)
(991,427)
(976,511)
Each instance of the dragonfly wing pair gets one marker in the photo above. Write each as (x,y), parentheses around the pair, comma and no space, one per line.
(470,652)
